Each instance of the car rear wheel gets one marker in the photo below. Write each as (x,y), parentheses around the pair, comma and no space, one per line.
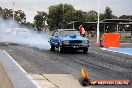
(52,47)
(60,49)
(85,50)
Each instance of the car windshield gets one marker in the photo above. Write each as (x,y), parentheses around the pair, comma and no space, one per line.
(69,33)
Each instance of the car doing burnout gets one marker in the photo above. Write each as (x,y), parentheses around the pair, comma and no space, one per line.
(68,39)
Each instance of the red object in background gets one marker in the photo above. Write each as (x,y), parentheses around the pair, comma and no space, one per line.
(111,40)
(80,29)
(101,43)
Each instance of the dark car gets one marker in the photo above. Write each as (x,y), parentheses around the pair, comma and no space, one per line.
(68,39)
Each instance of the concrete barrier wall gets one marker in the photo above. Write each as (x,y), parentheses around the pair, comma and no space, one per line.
(12,74)
(5,82)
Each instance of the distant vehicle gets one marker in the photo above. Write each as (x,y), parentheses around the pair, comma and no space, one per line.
(22,32)
(14,35)
(68,39)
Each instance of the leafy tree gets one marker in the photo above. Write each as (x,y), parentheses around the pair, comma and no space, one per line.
(123,17)
(102,16)
(108,13)
(40,20)
(20,16)
(60,15)
(1,11)
(126,17)
(92,16)
(29,25)
(5,13)
(79,15)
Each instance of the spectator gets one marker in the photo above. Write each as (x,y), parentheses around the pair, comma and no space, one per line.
(82,31)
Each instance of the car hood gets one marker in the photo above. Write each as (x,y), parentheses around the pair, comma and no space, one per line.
(73,38)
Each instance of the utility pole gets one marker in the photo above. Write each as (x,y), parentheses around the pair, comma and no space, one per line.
(73,25)
(13,10)
(98,23)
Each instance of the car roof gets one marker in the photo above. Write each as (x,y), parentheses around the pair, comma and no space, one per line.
(59,30)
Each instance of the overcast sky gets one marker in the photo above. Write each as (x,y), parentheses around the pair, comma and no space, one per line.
(119,7)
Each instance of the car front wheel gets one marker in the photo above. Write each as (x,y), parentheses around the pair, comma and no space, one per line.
(52,47)
(85,50)
(60,49)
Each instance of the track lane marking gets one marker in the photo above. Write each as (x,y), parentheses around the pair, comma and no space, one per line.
(116,51)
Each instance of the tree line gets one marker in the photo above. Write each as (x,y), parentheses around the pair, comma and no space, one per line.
(19,15)
(59,16)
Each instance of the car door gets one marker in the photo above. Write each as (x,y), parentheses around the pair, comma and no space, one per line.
(55,37)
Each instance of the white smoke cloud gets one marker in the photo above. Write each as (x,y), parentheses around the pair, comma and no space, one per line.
(13,33)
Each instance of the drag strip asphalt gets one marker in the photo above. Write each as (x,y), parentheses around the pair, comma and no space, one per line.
(100,65)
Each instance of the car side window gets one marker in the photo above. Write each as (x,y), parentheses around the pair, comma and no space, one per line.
(53,33)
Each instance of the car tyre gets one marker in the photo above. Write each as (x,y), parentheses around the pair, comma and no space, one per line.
(52,47)
(60,49)
(85,50)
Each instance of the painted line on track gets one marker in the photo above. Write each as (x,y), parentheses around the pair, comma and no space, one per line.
(95,52)
(34,82)
(116,51)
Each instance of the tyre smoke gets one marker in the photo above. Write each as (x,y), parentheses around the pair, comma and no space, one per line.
(13,33)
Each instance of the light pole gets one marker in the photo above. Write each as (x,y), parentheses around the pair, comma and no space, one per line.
(73,25)
(98,23)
